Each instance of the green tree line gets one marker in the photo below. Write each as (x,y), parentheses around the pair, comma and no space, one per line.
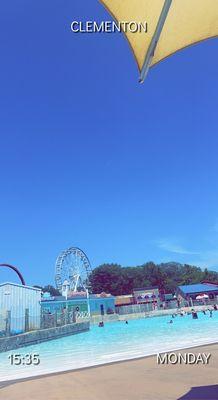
(117,280)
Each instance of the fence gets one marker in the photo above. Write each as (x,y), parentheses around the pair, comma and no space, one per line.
(2,323)
(142,308)
(133,309)
(10,325)
(148,307)
(206,302)
(60,318)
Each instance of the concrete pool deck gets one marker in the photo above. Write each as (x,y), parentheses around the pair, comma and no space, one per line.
(141,379)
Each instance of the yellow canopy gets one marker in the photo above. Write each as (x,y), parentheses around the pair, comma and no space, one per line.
(172,25)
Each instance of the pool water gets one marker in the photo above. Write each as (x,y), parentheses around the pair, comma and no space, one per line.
(115,341)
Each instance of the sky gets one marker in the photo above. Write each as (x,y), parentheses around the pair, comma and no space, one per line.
(90,158)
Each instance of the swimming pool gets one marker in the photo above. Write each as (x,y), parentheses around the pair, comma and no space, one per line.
(116,341)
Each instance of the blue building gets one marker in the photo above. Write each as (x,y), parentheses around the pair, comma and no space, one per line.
(96,304)
(100,304)
(59,303)
(204,290)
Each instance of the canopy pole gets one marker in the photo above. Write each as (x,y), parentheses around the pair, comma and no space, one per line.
(154,41)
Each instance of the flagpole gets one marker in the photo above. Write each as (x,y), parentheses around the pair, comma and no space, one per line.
(150,53)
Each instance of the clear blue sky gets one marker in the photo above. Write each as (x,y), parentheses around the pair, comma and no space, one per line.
(91,158)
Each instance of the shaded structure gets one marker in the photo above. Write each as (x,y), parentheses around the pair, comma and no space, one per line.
(172,26)
(148,294)
(201,393)
(195,291)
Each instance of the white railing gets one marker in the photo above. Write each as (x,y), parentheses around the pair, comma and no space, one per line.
(82,315)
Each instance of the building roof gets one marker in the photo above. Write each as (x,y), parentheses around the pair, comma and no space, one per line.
(198,288)
(145,288)
(62,299)
(210,283)
(100,297)
(21,286)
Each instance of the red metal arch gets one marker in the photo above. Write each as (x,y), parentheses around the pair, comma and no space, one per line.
(15,270)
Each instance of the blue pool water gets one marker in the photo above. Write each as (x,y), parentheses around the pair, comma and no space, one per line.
(116,341)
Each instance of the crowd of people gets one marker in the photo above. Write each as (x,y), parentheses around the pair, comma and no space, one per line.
(194,313)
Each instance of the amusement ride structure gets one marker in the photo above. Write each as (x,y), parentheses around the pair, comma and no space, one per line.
(72,267)
(15,270)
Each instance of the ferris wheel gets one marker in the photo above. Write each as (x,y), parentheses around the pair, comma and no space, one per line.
(73,266)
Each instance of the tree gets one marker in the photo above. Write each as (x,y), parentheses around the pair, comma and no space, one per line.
(114,279)
(107,278)
(48,288)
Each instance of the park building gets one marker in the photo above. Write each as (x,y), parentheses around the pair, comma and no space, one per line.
(149,294)
(196,293)
(77,303)
(82,303)
(101,304)
(20,308)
